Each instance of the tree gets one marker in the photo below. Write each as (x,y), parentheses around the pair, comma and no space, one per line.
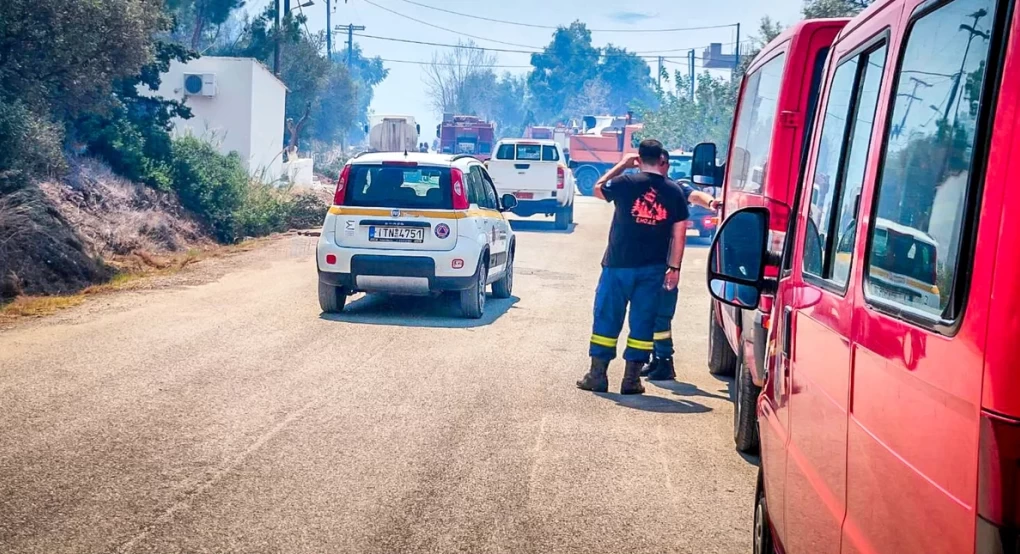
(768,29)
(455,81)
(561,70)
(509,109)
(201,14)
(366,73)
(628,81)
(593,99)
(682,123)
(815,9)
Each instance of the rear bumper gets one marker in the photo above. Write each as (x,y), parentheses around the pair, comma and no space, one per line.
(527,208)
(397,274)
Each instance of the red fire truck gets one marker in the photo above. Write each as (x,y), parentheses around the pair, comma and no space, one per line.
(466,134)
(599,146)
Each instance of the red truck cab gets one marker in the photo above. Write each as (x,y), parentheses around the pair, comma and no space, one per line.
(775,108)
(890,412)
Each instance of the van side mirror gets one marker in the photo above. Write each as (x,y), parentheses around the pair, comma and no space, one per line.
(737,259)
(703,170)
(508,202)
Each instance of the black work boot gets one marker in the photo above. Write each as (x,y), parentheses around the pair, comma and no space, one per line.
(663,371)
(650,367)
(632,379)
(596,380)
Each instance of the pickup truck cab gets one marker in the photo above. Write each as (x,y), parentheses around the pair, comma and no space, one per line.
(775,110)
(890,415)
(536,173)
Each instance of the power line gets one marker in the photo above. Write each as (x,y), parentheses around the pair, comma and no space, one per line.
(426,23)
(453,64)
(475,47)
(534,26)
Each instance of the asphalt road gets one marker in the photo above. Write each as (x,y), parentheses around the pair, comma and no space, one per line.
(219,411)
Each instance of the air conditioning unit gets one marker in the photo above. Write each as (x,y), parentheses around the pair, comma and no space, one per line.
(200,84)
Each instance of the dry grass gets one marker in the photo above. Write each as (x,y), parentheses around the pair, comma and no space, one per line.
(133,272)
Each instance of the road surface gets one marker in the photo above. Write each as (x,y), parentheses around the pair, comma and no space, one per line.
(219,411)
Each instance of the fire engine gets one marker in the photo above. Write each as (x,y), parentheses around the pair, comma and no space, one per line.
(599,146)
(466,134)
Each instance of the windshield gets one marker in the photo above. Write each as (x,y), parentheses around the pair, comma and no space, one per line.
(680,167)
(399,187)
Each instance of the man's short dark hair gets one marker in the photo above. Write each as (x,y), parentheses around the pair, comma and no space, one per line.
(651,151)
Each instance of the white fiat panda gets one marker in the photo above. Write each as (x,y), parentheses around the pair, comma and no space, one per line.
(416,224)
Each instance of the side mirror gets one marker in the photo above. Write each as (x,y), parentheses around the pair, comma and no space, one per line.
(703,171)
(417,128)
(737,258)
(508,201)
(439,131)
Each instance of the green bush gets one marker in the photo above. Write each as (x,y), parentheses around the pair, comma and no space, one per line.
(265,210)
(211,185)
(29,144)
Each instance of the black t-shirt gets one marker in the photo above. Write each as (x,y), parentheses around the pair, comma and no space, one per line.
(646,207)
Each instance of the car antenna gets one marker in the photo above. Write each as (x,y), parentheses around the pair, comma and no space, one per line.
(405,152)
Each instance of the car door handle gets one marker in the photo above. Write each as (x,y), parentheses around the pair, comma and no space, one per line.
(787,331)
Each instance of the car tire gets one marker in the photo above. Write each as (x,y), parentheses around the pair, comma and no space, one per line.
(762,529)
(563,217)
(722,360)
(505,286)
(745,414)
(331,298)
(472,299)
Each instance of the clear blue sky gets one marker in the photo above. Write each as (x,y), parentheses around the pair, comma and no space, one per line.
(403,91)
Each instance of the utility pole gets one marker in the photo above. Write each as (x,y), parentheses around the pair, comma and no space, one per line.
(736,51)
(276,39)
(350,40)
(329,30)
(911,98)
(972,29)
(660,73)
(690,71)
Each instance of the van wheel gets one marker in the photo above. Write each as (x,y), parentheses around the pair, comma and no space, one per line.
(564,217)
(722,360)
(505,286)
(472,299)
(762,531)
(331,299)
(745,416)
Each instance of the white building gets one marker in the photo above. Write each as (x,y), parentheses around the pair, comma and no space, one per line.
(237,104)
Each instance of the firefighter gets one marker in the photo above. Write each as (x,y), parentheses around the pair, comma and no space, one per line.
(661,367)
(648,217)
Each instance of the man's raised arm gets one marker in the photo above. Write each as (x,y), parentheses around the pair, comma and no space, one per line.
(628,161)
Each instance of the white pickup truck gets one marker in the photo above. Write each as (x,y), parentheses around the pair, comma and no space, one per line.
(536,172)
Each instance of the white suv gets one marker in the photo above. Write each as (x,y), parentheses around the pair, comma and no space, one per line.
(416,224)
(536,172)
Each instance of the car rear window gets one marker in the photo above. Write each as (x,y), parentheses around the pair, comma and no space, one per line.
(529,152)
(549,154)
(505,152)
(399,187)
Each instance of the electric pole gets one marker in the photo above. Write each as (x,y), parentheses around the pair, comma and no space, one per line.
(972,29)
(660,73)
(736,52)
(276,39)
(329,30)
(350,40)
(911,98)
(690,71)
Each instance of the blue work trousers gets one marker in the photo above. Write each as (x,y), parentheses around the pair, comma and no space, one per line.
(664,323)
(640,287)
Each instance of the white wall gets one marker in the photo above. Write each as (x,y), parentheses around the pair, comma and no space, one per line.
(245,116)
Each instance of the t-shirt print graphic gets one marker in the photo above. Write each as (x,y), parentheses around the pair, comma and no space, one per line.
(647,210)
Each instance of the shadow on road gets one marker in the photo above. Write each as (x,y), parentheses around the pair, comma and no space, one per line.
(539,226)
(656,404)
(686,389)
(418,311)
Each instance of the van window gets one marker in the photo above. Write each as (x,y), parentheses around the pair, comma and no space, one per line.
(505,152)
(926,176)
(752,139)
(842,159)
(399,187)
(549,154)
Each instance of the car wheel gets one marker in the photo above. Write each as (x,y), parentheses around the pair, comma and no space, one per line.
(563,217)
(745,416)
(331,298)
(586,176)
(722,360)
(472,299)
(762,539)
(505,286)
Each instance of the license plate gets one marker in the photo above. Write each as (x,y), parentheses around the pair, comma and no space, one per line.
(396,234)
(524,195)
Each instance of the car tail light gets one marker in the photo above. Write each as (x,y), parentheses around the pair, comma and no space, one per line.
(341,186)
(998,524)
(457,263)
(460,199)
(560,177)
(331,259)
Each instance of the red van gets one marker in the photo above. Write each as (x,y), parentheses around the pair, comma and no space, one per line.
(774,111)
(890,415)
